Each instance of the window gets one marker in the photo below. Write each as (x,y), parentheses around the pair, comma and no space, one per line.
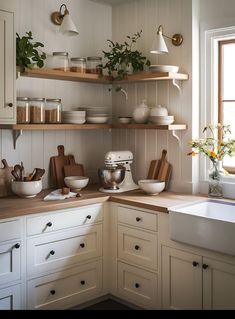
(226,107)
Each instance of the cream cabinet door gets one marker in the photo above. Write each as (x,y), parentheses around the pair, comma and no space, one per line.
(7,68)
(10,298)
(181,279)
(218,285)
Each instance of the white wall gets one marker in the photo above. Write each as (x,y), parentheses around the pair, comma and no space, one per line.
(176,17)
(94,22)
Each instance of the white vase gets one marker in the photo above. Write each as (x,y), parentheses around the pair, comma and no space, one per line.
(141,113)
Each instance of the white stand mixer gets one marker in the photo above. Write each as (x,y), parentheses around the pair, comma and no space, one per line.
(115,159)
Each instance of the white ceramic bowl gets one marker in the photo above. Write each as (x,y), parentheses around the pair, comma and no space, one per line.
(76,182)
(97,120)
(26,189)
(164,68)
(151,186)
(162,120)
(125,120)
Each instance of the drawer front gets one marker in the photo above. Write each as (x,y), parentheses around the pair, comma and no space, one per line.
(137,218)
(66,219)
(10,261)
(64,289)
(10,298)
(10,230)
(60,250)
(137,246)
(138,286)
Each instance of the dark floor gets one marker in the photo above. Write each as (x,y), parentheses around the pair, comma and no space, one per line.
(108,305)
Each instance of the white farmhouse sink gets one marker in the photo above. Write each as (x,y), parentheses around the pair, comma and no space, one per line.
(208,224)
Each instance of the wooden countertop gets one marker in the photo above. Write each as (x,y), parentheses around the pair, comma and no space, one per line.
(15,206)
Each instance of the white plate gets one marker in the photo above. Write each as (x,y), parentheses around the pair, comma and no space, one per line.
(74,121)
(97,120)
(164,68)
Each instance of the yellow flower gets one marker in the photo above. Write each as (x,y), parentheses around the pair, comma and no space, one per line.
(212,154)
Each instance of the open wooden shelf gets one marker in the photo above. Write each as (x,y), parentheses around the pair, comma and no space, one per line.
(171,127)
(95,78)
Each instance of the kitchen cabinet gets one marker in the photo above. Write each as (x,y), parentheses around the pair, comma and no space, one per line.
(191,281)
(10,298)
(7,68)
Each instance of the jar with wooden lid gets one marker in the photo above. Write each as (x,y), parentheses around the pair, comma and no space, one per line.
(78,65)
(37,110)
(23,112)
(60,61)
(53,110)
(94,65)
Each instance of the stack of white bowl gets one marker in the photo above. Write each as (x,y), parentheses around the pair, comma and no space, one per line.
(95,114)
(159,115)
(74,117)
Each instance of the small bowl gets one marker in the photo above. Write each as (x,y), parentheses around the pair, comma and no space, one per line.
(151,186)
(26,189)
(164,68)
(76,182)
(125,120)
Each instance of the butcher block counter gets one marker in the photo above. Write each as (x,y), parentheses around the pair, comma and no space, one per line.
(15,206)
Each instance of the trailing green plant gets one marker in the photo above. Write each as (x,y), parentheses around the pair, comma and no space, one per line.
(27,53)
(122,57)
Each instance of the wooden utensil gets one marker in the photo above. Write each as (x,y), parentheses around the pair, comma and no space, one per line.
(5,180)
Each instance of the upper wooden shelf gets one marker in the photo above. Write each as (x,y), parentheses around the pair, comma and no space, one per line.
(171,127)
(95,78)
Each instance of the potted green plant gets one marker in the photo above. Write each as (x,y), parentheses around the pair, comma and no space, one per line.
(27,53)
(122,59)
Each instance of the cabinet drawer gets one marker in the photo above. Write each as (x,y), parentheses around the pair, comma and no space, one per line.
(60,250)
(10,261)
(10,230)
(71,218)
(10,298)
(137,218)
(137,246)
(65,289)
(138,286)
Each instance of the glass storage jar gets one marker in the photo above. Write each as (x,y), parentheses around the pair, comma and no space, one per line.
(78,65)
(53,110)
(94,65)
(23,113)
(37,110)
(61,61)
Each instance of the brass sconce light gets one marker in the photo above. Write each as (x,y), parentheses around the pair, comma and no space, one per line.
(67,25)
(159,45)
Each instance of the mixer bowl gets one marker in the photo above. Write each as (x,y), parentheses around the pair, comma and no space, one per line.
(111,178)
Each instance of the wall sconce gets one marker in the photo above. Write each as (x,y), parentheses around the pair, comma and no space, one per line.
(67,25)
(159,45)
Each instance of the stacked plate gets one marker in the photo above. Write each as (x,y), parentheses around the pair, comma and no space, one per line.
(73,117)
(95,114)
(162,120)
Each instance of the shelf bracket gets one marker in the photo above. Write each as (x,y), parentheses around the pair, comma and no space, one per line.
(173,132)
(16,134)
(174,82)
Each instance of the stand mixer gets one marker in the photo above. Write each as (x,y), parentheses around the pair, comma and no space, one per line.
(116,177)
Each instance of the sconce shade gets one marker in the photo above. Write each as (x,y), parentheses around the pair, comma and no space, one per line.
(68,27)
(159,45)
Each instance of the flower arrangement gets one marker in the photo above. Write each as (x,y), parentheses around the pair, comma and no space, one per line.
(214,148)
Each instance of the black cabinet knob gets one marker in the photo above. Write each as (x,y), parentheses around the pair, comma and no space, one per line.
(137,247)
(83,282)
(52,292)
(88,217)
(82,245)
(49,224)
(195,264)
(205,266)
(52,252)
(17,246)
(10,104)
(137,285)
(138,219)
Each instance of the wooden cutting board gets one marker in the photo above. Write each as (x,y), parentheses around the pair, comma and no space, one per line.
(74,170)
(57,166)
(5,180)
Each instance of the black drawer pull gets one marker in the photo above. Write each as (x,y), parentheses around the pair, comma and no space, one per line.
(195,264)
(88,217)
(10,104)
(205,266)
(52,292)
(52,252)
(82,245)
(137,247)
(83,282)
(137,285)
(17,246)
(138,219)
(49,224)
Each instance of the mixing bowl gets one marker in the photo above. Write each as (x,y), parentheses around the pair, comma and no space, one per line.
(76,182)
(152,186)
(26,189)
(111,177)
